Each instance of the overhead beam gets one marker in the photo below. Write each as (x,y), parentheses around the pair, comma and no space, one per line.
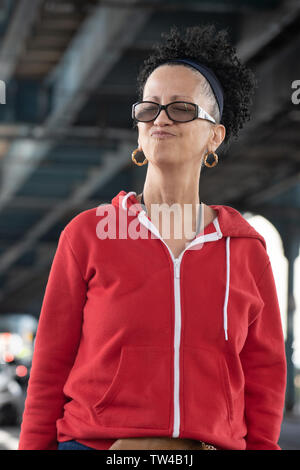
(19,29)
(21,131)
(259,30)
(273,96)
(275,190)
(225,6)
(96,48)
(275,74)
(112,163)
(93,52)
(46,203)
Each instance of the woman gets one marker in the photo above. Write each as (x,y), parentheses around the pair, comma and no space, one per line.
(164,342)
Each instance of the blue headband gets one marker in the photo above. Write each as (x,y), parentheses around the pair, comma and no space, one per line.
(210,76)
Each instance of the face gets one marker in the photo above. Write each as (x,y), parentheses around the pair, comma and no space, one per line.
(189,141)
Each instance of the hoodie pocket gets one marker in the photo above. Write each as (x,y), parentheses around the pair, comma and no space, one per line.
(207,399)
(139,395)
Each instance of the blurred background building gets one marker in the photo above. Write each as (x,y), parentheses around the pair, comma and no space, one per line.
(68,79)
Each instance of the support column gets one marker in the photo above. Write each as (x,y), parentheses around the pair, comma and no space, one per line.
(291,250)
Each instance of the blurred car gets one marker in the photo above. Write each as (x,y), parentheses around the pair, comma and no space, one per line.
(17,335)
(12,396)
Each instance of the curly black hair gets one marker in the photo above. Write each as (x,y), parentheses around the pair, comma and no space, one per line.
(212,48)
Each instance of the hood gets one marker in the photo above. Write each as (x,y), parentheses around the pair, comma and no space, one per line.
(228,223)
(231,223)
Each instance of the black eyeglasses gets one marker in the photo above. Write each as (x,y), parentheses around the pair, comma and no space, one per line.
(178,111)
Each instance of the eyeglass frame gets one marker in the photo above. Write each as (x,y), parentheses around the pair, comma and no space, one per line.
(200,112)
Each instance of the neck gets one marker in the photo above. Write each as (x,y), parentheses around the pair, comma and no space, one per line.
(175,197)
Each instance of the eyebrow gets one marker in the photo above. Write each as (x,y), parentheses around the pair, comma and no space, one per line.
(174,97)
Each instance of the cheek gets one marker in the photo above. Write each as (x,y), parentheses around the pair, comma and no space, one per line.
(195,140)
(192,135)
(199,134)
(144,132)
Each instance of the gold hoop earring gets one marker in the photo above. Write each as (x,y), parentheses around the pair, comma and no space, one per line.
(134,160)
(214,163)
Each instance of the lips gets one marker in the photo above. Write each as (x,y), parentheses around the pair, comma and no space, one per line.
(161,134)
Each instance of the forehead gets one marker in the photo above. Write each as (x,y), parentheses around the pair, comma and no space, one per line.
(174,81)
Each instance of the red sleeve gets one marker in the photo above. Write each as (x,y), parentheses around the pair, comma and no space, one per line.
(264,365)
(56,345)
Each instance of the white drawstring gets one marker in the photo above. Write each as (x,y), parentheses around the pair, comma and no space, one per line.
(124,200)
(227,285)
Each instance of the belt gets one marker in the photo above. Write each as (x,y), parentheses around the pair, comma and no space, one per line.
(205,446)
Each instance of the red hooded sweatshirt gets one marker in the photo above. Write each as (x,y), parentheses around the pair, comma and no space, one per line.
(133,342)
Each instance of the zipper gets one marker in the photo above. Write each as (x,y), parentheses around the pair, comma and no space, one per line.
(177,327)
(177,335)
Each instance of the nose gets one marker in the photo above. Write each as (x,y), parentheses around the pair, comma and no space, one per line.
(162,118)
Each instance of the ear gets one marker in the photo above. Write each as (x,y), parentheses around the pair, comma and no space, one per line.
(218,132)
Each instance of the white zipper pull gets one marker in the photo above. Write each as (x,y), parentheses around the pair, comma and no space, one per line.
(177,268)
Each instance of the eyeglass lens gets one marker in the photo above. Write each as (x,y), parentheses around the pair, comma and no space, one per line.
(179,111)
